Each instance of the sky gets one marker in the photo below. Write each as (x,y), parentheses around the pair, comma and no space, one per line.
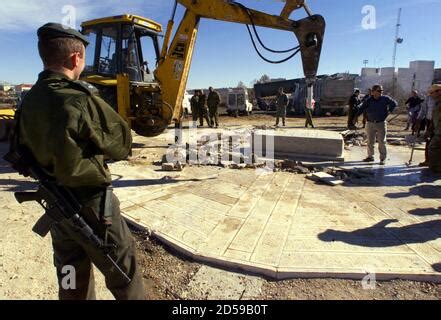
(224,55)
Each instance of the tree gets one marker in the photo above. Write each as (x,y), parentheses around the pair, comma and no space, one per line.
(241,85)
(264,79)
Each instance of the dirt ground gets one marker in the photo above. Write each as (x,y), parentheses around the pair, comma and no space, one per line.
(27,272)
(169,276)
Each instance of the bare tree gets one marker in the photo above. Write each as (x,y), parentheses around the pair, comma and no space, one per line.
(264,79)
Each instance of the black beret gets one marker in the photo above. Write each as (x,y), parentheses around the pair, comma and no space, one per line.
(56,30)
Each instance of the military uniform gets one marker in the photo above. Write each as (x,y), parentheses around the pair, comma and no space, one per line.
(213,102)
(194,103)
(69,130)
(203,110)
(354,102)
(281,103)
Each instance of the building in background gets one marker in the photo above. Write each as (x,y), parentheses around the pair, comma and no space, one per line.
(23,88)
(418,76)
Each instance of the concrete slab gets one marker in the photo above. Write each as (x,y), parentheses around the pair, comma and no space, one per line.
(298,143)
(281,225)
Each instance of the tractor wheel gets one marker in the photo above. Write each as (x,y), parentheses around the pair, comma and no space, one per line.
(5,129)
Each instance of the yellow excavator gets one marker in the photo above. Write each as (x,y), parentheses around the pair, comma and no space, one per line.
(121,48)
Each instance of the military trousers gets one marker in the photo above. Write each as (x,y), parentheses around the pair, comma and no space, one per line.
(309,122)
(203,114)
(351,118)
(281,113)
(377,131)
(214,115)
(195,113)
(73,252)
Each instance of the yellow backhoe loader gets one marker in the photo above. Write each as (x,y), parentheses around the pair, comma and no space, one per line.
(150,99)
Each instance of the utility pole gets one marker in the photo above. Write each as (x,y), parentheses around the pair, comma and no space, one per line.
(397,41)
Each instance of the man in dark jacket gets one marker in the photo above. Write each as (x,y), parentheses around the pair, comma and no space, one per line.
(354,103)
(213,102)
(377,108)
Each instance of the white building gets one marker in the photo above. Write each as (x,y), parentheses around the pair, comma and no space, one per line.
(419,76)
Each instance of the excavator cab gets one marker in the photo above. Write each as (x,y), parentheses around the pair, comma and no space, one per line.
(120,61)
(117,46)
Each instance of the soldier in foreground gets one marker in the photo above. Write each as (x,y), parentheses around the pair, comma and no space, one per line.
(69,130)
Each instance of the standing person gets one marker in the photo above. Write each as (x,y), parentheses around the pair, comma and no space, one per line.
(434,153)
(309,111)
(69,130)
(366,98)
(426,113)
(213,102)
(354,103)
(203,110)
(282,102)
(378,108)
(414,107)
(194,103)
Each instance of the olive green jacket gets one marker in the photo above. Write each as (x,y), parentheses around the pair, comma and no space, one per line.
(69,129)
(213,99)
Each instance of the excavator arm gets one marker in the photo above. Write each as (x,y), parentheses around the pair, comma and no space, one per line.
(174,64)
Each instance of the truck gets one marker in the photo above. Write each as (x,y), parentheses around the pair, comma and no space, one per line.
(238,103)
(331,94)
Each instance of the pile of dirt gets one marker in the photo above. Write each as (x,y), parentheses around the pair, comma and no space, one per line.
(166,274)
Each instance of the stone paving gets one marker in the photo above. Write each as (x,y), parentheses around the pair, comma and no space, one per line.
(281,225)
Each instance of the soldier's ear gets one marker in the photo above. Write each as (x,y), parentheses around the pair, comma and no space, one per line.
(75,60)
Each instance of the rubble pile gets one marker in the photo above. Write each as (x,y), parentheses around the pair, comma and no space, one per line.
(293,166)
(222,152)
(354,138)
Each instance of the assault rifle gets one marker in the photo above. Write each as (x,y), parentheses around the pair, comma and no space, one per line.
(59,203)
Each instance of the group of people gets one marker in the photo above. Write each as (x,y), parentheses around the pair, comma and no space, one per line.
(203,107)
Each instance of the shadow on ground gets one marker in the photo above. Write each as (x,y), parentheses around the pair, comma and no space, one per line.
(424,191)
(379,235)
(152,182)
(425,212)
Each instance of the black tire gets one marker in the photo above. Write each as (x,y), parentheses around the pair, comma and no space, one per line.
(5,129)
